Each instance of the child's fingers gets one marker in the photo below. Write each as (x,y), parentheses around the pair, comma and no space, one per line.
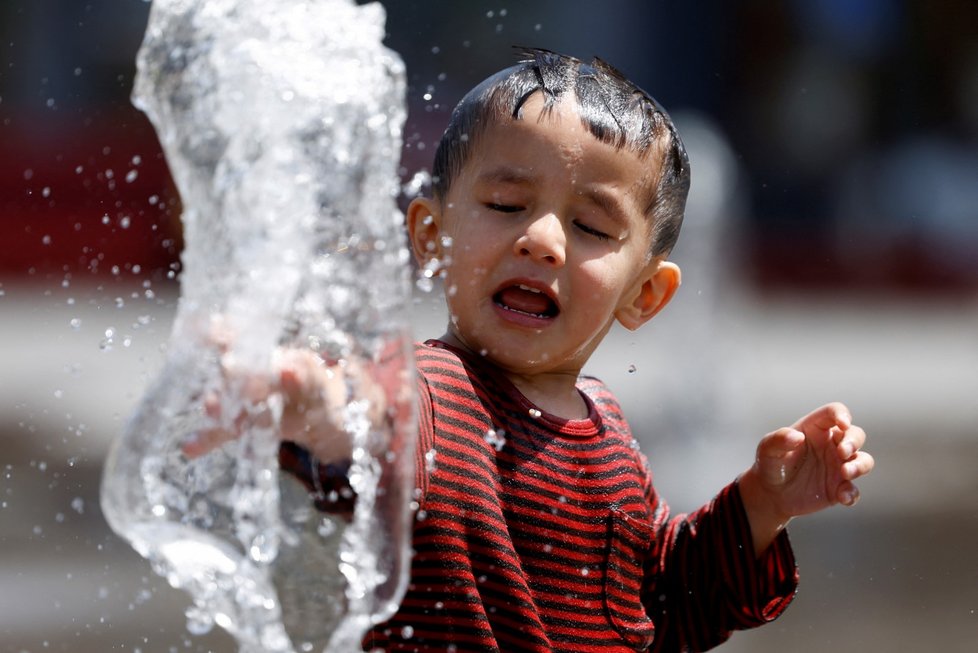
(205,441)
(826,417)
(847,494)
(850,441)
(859,465)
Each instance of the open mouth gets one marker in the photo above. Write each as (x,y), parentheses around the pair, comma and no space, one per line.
(533,302)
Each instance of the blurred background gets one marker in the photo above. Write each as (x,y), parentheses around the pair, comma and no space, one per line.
(830,252)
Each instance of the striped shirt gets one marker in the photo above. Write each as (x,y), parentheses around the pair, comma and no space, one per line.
(536,533)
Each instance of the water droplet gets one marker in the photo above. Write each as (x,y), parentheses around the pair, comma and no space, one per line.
(585,571)
(131,176)
(496,438)
(199,622)
(326,527)
(535,413)
(407,632)
(78,505)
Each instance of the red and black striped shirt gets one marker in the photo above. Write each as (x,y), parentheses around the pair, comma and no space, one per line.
(536,533)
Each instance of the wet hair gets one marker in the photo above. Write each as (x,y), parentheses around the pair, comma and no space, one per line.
(612,109)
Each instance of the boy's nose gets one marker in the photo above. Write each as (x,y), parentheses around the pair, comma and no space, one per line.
(544,239)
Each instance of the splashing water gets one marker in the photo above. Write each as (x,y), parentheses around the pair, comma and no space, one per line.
(281,121)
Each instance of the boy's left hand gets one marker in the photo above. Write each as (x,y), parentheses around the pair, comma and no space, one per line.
(803,468)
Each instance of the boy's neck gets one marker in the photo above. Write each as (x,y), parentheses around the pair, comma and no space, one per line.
(552,392)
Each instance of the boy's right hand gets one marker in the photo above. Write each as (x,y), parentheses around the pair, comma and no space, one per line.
(313,396)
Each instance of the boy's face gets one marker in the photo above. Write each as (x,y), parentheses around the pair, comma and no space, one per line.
(549,242)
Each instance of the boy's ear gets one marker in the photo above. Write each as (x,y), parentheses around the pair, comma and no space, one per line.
(657,285)
(423,219)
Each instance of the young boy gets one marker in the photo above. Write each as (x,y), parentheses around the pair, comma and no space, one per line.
(559,189)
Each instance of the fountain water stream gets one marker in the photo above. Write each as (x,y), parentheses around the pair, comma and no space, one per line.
(281,122)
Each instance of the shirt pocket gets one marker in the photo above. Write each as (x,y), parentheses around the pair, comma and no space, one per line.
(630,542)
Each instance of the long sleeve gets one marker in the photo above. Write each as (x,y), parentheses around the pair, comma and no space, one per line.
(705,579)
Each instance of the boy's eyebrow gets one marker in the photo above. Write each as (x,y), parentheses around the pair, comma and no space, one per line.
(607,201)
(506,175)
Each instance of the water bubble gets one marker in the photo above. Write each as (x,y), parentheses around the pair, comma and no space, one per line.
(106,343)
(431,267)
(199,621)
(326,527)
(416,185)
(496,438)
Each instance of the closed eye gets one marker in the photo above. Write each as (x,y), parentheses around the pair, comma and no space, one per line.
(591,231)
(503,208)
